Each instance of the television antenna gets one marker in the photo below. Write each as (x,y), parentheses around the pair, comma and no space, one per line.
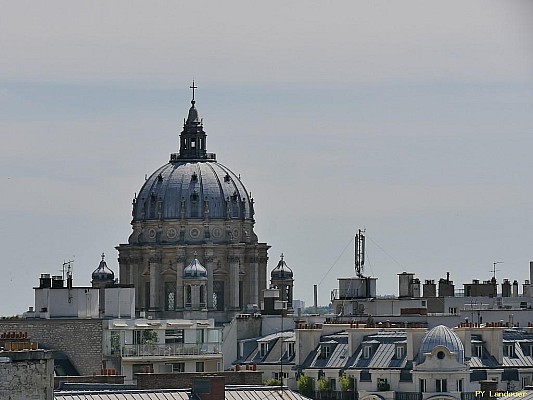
(494,268)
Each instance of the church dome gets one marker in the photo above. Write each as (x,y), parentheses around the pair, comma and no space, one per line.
(103,273)
(195,270)
(441,336)
(193,185)
(192,190)
(282,270)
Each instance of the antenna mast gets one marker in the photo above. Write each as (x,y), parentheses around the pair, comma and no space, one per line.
(494,269)
(360,253)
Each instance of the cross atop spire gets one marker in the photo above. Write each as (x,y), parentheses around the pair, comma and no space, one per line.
(103,256)
(281,256)
(193,87)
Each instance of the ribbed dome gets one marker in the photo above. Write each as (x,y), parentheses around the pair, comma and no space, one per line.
(441,336)
(282,270)
(192,190)
(103,273)
(195,270)
(193,185)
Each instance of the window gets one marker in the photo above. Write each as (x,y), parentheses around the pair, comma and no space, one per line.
(441,385)
(423,303)
(177,367)
(525,381)
(290,348)
(115,342)
(478,351)
(366,352)
(174,336)
(325,352)
(332,384)
(200,337)
(421,385)
(278,375)
(202,296)
(145,336)
(508,350)
(218,295)
(170,296)
(263,349)
(400,352)
(459,385)
(188,295)
(199,366)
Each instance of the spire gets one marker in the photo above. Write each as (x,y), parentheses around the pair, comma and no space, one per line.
(192,118)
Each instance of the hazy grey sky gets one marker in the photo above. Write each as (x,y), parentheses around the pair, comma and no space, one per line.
(413,119)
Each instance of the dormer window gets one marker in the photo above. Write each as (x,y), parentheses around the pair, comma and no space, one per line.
(478,351)
(400,352)
(367,350)
(325,352)
(290,348)
(263,349)
(508,350)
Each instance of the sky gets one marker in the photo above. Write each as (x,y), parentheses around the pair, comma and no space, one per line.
(412,120)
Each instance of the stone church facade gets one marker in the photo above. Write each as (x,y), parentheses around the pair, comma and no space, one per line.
(194,214)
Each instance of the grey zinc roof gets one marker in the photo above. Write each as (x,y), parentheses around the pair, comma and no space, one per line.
(193,183)
(134,395)
(231,393)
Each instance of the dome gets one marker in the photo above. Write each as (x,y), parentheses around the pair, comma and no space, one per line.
(441,336)
(282,270)
(193,190)
(195,270)
(103,273)
(193,185)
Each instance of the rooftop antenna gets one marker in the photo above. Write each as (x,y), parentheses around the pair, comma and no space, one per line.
(67,271)
(494,268)
(360,253)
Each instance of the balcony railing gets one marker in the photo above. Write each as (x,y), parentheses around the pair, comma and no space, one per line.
(170,349)
(469,396)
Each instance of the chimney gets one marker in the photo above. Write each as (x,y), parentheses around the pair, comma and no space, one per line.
(209,387)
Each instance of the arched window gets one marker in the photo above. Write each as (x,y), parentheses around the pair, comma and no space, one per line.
(188,296)
(202,296)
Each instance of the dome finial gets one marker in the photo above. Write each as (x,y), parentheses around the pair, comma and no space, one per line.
(281,256)
(103,256)
(193,87)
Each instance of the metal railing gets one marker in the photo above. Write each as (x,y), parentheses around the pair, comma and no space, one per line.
(170,349)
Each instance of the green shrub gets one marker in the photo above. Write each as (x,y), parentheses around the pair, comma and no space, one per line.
(346,383)
(322,385)
(305,385)
(272,382)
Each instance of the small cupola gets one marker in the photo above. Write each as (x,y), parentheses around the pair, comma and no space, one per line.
(103,274)
(195,269)
(282,270)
